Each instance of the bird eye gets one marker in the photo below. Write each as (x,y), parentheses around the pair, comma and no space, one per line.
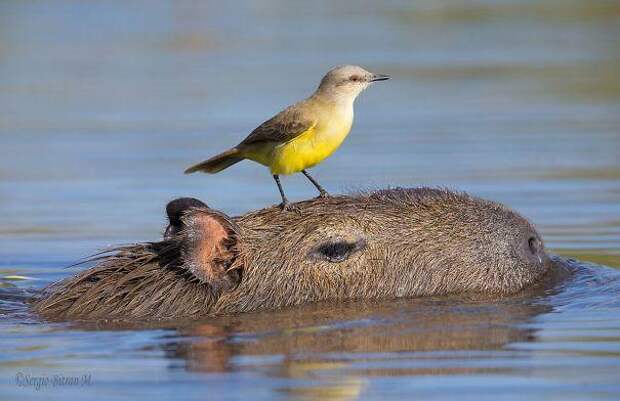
(355,78)
(336,251)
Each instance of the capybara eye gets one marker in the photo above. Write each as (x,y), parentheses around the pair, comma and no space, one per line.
(337,251)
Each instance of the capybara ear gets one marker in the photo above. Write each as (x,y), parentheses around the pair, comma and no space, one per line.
(175,210)
(210,246)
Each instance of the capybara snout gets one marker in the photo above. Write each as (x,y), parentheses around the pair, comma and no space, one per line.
(381,245)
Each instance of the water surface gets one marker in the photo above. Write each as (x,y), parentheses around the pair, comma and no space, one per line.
(102,106)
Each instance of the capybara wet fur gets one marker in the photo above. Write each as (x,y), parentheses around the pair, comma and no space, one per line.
(387,244)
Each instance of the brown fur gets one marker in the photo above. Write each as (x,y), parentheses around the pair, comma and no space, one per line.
(396,243)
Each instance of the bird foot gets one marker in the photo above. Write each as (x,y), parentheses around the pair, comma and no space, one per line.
(323,195)
(286,206)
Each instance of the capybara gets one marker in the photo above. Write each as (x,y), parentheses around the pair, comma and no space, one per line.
(387,244)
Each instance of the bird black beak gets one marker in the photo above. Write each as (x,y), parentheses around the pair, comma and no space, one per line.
(379,77)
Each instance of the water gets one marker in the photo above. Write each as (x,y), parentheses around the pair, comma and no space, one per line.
(104,104)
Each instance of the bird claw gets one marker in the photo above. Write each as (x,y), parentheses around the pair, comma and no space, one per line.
(323,195)
(289,207)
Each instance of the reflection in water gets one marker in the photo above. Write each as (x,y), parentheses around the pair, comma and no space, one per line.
(334,358)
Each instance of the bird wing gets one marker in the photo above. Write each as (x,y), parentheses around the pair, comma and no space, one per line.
(284,127)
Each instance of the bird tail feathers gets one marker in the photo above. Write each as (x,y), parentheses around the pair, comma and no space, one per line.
(217,163)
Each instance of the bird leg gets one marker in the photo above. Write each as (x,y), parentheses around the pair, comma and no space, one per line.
(322,192)
(285,205)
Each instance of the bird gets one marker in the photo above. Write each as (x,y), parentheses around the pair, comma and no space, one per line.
(303,134)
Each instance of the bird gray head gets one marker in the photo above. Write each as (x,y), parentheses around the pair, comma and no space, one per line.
(348,81)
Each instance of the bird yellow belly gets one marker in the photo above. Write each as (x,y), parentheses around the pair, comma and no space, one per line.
(307,150)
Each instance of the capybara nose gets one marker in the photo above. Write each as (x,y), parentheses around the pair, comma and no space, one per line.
(534,245)
(536,250)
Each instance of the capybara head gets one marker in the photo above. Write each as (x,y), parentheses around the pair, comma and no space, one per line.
(387,244)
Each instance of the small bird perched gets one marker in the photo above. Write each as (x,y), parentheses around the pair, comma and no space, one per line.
(304,134)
